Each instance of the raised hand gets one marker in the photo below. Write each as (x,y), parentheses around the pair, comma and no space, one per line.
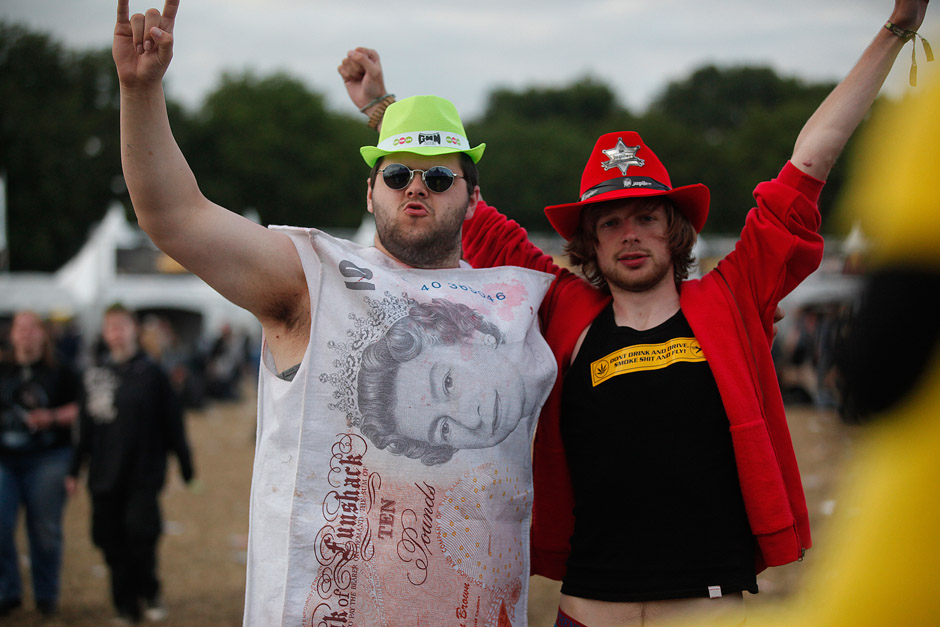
(143,43)
(361,71)
(909,14)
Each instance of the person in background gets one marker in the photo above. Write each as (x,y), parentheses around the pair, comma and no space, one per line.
(131,421)
(39,404)
(226,363)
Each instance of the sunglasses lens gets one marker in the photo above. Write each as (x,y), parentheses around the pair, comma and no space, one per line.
(396,175)
(439,179)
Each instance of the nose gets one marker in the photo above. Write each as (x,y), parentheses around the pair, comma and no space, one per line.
(416,187)
(471,412)
(629,232)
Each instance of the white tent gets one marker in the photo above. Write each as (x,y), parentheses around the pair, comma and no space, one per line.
(91,281)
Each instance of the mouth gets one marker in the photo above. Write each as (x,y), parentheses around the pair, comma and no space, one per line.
(632,259)
(496,413)
(415,209)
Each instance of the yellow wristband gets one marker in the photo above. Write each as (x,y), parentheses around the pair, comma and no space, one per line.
(905,36)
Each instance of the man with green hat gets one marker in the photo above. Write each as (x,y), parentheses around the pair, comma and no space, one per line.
(398,386)
(425,131)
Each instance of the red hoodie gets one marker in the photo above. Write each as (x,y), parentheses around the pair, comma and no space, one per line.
(730,310)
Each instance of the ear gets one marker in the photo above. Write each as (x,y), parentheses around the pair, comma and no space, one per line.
(473,202)
(369,197)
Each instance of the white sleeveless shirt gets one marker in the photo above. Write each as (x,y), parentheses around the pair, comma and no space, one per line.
(402,497)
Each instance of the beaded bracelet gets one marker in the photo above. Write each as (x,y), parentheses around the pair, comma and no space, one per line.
(381,98)
(376,118)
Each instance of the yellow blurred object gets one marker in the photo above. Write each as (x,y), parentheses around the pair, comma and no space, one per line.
(894,189)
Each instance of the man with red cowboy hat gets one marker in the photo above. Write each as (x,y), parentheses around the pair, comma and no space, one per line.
(700,490)
(374,408)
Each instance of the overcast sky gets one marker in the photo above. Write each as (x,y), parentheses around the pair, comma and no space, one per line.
(462,49)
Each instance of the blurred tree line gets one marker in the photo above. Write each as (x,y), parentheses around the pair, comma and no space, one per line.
(269,144)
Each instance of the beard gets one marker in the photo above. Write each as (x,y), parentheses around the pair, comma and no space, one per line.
(432,247)
(628,281)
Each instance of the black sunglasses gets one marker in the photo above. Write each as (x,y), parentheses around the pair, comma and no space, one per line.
(437,178)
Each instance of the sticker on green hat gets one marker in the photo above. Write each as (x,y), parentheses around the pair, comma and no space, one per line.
(424,125)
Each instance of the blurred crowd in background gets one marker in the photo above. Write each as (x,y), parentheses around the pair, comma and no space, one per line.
(204,369)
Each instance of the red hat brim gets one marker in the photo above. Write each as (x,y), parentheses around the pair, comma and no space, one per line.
(691,200)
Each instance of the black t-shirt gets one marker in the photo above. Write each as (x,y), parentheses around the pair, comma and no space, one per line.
(27,387)
(658,506)
(132,418)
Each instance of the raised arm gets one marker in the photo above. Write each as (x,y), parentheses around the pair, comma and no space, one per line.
(251,266)
(361,71)
(824,135)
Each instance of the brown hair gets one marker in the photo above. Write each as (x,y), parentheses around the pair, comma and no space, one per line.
(118,308)
(680,235)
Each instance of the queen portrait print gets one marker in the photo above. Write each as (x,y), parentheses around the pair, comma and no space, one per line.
(437,382)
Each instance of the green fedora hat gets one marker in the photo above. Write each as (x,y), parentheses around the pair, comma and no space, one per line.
(424,125)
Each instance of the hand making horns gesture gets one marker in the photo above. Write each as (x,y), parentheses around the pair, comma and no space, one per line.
(143,43)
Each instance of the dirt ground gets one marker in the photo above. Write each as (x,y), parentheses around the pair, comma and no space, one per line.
(202,555)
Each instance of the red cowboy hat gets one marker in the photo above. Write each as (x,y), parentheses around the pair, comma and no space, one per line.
(606,178)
